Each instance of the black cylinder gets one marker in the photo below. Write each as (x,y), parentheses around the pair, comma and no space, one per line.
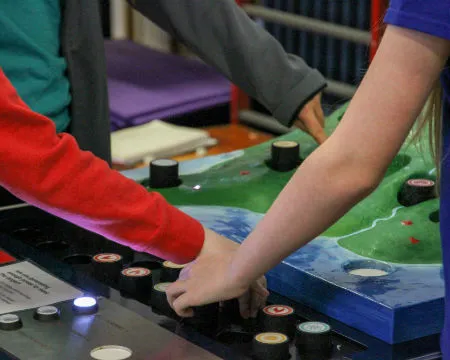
(164,174)
(107,267)
(313,340)
(415,191)
(277,318)
(159,299)
(136,282)
(270,346)
(285,155)
(206,317)
(170,271)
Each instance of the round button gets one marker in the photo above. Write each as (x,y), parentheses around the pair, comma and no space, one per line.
(85,305)
(10,322)
(111,352)
(47,313)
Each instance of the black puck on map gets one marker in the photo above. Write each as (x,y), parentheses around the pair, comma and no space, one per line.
(136,282)
(159,300)
(415,191)
(107,267)
(313,340)
(277,318)
(10,322)
(170,271)
(270,346)
(164,174)
(285,155)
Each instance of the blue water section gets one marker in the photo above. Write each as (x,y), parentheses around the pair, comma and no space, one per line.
(403,305)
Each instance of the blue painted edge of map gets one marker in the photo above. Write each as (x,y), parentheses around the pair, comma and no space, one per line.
(406,304)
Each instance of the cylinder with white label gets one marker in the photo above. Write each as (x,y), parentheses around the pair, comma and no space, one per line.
(313,340)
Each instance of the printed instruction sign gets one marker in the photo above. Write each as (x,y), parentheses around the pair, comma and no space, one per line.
(25,286)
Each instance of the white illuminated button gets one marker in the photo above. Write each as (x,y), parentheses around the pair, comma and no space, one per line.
(85,305)
(111,352)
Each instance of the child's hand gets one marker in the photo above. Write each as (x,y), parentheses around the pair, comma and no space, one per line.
(208,279)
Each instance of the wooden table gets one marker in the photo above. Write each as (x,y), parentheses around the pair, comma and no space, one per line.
(229,137)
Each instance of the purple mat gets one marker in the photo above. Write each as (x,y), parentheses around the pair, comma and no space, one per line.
(145,84)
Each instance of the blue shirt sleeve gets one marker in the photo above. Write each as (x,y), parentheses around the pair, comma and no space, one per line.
(427,16)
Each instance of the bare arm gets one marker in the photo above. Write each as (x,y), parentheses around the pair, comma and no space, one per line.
(354,159)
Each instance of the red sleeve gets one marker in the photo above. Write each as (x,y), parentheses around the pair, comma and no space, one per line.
(49,171)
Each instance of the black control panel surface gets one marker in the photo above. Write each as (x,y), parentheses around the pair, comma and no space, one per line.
(135,282)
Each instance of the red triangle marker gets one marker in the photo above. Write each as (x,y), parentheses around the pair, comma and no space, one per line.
(414,240)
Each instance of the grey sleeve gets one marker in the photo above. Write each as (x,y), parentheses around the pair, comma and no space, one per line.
(222,34)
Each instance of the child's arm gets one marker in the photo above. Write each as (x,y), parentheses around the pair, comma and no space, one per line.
(341,172)
(350,165)
(50,171)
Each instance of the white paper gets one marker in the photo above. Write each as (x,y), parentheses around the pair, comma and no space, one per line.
(25,286)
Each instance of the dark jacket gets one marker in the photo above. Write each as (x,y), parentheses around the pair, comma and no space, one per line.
(82,46)
(218,31)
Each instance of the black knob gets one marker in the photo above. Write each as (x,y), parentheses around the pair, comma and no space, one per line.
(270,346)
(415,191)
(170,271)
(206,317)
(313,340)
(164,174)
(10,322)
(159,299)
(47,313)
(277,318)
(285,155)
(136,282)
(107,267)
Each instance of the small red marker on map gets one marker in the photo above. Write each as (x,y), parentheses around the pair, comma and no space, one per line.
(245,172)
(407,222)
(414,240)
